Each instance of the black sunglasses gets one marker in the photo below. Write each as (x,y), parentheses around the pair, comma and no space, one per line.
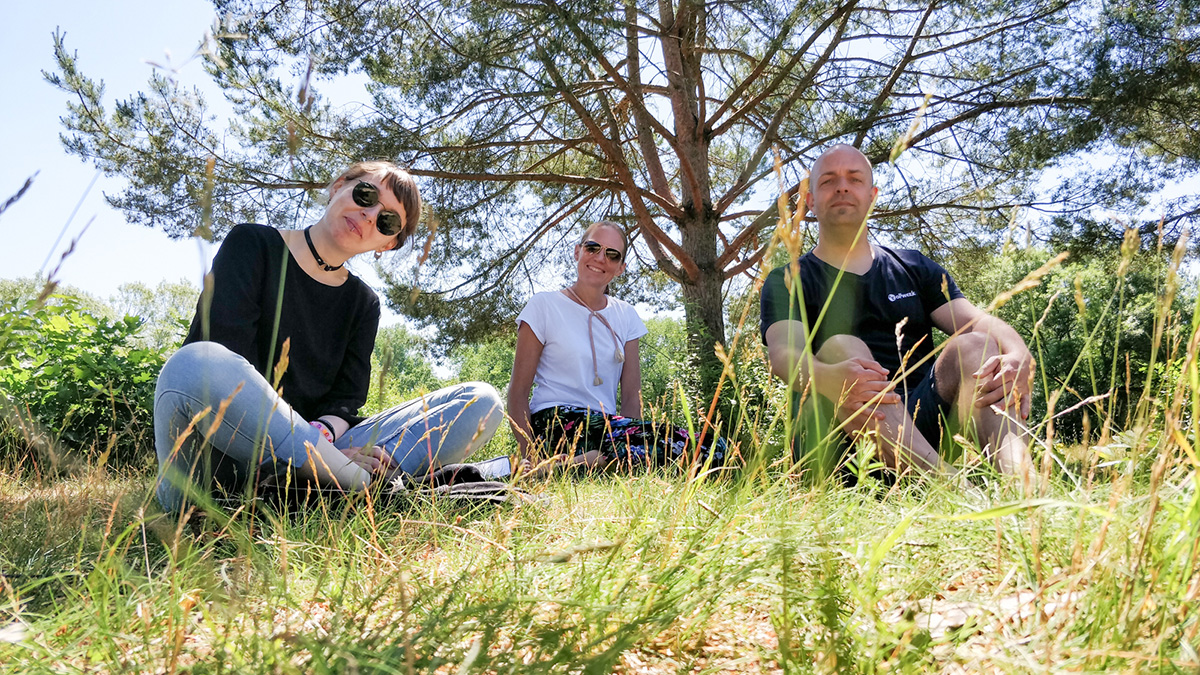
(594,247)
(389,223)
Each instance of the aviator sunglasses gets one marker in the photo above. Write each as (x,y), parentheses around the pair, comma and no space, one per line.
(594,247)
(389,223)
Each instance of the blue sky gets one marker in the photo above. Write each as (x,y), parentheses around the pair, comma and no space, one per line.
(113,40)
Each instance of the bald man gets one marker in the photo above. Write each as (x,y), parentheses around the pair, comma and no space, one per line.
(870,358)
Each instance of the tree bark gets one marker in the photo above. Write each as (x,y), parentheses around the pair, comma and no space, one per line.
(704,312)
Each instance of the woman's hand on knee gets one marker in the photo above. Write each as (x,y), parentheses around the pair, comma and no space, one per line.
(374,458)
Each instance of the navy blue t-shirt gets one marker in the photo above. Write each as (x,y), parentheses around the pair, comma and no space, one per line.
(901,284)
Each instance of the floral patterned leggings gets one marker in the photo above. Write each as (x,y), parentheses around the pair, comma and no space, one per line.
(624,441)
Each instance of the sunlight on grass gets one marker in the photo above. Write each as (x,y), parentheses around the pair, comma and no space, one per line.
(761,572)
(1091,567)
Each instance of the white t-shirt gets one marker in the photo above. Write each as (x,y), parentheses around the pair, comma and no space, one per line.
(564,373)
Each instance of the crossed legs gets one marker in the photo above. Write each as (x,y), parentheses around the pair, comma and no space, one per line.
(195,451)
(442,427)
(995,427)
(900,440)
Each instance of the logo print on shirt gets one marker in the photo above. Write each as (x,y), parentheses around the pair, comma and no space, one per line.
(892,297)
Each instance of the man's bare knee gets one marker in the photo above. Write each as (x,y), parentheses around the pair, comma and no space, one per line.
(838,348)
(964,354)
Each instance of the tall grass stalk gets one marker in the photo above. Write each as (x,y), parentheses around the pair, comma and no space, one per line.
(649,573)
(663,572)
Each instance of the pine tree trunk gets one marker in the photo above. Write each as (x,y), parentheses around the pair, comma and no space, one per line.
(703,310)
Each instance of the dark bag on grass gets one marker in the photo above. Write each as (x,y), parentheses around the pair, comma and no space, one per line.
(457,483)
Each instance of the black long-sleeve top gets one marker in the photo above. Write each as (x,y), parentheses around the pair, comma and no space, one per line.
(332,328)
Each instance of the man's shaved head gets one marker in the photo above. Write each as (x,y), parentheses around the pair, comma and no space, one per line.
(841,189)
(839,148)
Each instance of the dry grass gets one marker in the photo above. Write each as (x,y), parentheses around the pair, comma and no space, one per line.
(629,575)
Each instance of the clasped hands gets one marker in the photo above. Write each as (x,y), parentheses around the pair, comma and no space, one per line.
(864,386)
(1003,379)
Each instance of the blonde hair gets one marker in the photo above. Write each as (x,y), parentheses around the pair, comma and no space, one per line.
(615,228)
(612,226)
(399,181)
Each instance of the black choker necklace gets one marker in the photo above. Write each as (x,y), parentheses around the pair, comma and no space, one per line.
(325,266)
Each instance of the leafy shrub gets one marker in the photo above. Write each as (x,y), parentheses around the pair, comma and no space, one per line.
(749,398)
(488,361)
(79,377)
(165,309)
(1090,324)
(664,352)
(400,369)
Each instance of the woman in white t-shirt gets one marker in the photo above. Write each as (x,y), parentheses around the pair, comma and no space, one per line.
(579,346)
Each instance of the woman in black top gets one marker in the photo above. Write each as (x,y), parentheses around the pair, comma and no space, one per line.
(278,359)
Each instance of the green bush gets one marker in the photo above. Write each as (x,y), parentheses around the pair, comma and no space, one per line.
(1090,324)
(749,398)
(664,352)
(401,369)
(490,361)
(77,380)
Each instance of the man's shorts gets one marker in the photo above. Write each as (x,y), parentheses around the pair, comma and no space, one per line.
(815,447)
(927,407)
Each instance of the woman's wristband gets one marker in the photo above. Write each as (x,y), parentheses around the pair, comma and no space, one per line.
(324,429)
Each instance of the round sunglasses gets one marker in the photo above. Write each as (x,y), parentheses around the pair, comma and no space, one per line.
(593,247)
(389,223)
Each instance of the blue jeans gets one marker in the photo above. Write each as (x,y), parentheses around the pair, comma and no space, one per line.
(225,449)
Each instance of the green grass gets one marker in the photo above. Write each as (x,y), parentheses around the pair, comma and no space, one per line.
(1094,567)
(648,573)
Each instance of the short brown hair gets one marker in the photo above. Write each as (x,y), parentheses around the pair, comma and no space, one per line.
(399,181)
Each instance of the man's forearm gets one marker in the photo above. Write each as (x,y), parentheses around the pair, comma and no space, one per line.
(803,371)
(1006,336)
(793,367)
(792,361)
